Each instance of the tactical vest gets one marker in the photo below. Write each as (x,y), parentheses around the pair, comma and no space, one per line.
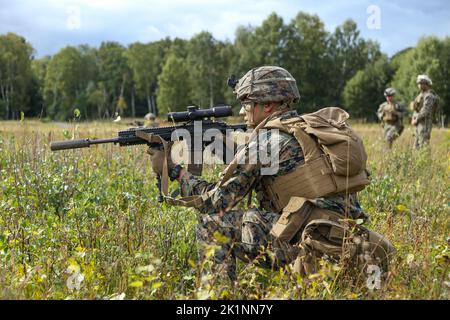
(390,113)
(419,101)
(335,159)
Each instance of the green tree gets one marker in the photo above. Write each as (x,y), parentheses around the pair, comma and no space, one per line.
(363,93)
(263,45)
(270,40)
(207,70)
(63,83)
(246,57)
(15,75)
(97,97)
(114,73)
(145,62)
(173,85)
(348,53)
(431,56)
(68,76)
(305,58)
(39,69)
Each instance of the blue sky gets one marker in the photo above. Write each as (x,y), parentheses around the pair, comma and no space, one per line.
(50,25)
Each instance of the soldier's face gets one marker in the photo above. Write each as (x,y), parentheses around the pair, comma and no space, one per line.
(422,86)
(254,113)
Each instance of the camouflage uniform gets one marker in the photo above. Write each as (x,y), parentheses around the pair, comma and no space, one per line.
(392,129)
(423,112)
(248,231)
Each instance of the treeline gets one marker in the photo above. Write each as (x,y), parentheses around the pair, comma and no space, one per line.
(332,69)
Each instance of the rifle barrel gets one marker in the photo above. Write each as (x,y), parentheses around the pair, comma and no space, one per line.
(76,144)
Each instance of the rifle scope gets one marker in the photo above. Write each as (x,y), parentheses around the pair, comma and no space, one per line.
(195,113)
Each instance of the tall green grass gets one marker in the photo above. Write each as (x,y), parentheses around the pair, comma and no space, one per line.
(86,224)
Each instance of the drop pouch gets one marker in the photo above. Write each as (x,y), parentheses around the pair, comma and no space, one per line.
(292,219)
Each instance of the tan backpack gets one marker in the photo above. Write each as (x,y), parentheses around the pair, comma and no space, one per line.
(344,148)
(335,158)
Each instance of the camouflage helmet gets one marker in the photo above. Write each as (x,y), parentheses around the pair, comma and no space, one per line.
(150,116)
(423,78)
(389,92)
(267,84)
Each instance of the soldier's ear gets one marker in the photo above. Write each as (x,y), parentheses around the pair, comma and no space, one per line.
(269,107)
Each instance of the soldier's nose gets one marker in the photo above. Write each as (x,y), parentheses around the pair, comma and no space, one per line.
(242,112)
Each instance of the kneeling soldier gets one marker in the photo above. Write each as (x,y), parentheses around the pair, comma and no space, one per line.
(305,206)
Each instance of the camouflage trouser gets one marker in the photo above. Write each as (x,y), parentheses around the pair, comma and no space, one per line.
(392,132)
(246,235)
(423,134)
(249,239)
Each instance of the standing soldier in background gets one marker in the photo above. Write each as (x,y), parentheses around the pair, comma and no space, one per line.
(391,115)
(424,108)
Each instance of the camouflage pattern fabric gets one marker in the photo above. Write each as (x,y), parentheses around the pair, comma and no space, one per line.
(247,238)
(392,129)
(424,115)
(248,231)
(267,84)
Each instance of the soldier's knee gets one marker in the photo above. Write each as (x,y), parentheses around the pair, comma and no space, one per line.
(205,228)
(253,234)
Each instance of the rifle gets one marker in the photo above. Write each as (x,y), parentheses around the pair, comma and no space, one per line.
(194,123)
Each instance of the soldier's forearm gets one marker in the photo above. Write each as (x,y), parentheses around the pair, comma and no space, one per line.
(427,108)
(425,112)
(182,173)
(191,185)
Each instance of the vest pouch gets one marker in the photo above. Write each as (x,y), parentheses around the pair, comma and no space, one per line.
(390,118)
(292,219)
(311,180)
(390,115)
(378,248)
(352,184)
(324,236)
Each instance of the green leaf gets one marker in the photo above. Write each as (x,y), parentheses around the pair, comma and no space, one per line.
(66,134)
(136,284)
(220,237)
(401,208)
(156,285)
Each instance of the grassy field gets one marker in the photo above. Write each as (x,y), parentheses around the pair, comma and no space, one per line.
(86,224)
